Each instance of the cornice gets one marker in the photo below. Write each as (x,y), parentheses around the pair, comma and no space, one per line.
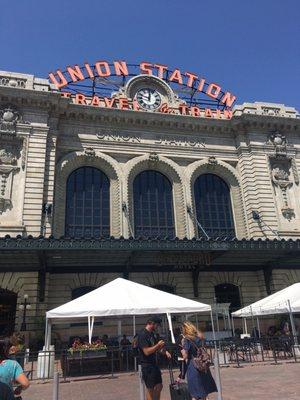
(41,243)
(63,109)
(262,123)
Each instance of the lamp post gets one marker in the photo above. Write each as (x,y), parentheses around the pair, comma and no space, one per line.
(24,306)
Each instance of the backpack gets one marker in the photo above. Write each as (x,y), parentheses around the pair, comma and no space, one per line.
(135,346)
(202,360)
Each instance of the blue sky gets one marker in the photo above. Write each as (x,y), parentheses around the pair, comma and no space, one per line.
(250,47)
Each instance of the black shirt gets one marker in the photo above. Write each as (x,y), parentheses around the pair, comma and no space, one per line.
(146,339)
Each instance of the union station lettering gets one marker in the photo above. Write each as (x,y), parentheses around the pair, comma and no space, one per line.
(104,69)
(143,87)
(159,140)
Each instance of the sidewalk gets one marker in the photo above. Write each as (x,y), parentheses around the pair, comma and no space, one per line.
(259,382)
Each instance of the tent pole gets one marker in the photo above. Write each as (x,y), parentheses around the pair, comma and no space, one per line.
(217,321)
(232,323)
(197,322)
(258,327)
(48,334)
(119,327)
(245,327)
(293,324)
(92,327)
(134,333)
(171,327)
(216,360)
(229,320)
(134,327)
(253,323)
(89,329)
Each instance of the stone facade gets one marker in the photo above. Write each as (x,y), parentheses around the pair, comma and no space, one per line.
(44,137)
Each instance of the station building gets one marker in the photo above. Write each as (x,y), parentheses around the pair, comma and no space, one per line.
(196,197)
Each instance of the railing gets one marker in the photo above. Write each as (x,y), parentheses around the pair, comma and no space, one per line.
(235,352)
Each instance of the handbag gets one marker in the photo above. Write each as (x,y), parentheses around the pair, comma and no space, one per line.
(202,360)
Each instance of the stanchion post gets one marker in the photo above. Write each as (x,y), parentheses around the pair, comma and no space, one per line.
(216,361)
(141,384)
(55,386)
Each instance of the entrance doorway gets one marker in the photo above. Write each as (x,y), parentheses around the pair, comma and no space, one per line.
(8,304)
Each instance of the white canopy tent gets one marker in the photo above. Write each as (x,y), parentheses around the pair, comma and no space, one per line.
(286,301)
(125,298)
(121,297)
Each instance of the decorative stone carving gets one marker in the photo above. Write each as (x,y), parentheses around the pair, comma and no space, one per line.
(8,119)
(278,140)
(8,155)
(12,82)
(90,151)
(288,213)
(6,183)
(281,171)
(153,157)
(212,161)
(10,152)
(295,171)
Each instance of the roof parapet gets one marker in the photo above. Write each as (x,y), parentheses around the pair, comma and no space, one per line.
(25,81)
(266,109)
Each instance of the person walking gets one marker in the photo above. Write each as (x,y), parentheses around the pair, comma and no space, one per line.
(200,382)
(10,370)
(147,354)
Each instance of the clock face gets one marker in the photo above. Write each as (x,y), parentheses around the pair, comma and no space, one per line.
(149,99)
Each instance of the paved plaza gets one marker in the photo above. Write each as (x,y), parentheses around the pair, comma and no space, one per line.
(260,382)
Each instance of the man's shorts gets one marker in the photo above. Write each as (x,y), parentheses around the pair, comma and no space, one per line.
(151,376)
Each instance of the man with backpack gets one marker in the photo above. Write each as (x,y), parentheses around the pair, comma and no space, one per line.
(148,347)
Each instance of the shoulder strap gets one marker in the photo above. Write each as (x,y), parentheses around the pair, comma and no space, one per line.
(193,343)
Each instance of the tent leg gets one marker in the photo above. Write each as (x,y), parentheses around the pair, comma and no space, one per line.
(119,327)
(258,327)
(232,323)
(90,328)
(245,327)
(216,361)
(253,324)
(294,332)
(197,322)
(47,334)
(134,333)
(224,322)
(217,321)
(171,328)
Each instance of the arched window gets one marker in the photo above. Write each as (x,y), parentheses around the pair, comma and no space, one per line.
(228,293)
(153,205)
(213,206)
(165,288)
(87,205)
(8,304)
(82,290)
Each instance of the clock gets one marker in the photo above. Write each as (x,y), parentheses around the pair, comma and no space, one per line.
(149,99)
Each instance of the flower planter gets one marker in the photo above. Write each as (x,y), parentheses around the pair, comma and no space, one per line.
(76,355)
